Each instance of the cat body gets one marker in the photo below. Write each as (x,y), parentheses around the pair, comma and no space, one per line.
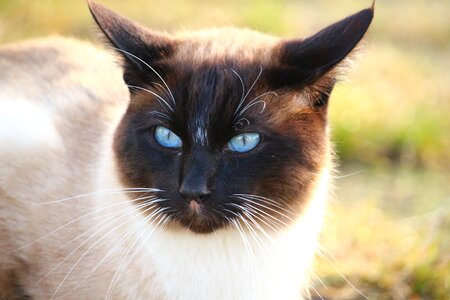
(45,86)
(86,214)
(41,137)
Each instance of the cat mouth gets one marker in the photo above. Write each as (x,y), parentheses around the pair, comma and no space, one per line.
(198,218)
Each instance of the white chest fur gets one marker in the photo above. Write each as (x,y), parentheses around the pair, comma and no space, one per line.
(229,264)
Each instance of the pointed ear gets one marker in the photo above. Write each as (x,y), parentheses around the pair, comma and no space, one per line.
(141,48)
(303,62)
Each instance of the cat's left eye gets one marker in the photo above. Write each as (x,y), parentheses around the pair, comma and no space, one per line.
(244,142)
(167,138)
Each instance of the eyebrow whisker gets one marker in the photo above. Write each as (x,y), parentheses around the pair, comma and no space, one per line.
(158,97)
(151,68)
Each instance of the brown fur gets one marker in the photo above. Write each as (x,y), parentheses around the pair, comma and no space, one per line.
(76,130)
(49,74)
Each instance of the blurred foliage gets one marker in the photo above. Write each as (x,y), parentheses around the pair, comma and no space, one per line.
(388,237)
(396,108)
(391,118)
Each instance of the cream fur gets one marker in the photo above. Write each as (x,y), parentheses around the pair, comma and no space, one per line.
(57,114)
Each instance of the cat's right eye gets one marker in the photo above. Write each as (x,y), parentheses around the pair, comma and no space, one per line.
(167,138)
(244,142)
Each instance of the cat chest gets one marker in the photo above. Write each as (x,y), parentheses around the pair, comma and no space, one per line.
(224,268)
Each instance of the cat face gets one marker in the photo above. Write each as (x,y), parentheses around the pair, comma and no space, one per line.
(207,178)
(228,125)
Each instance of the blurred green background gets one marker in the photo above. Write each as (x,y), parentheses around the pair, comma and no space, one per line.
(387,234)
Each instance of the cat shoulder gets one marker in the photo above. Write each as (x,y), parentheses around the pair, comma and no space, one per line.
(57,96)
(39,66)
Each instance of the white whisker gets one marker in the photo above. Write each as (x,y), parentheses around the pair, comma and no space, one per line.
(120,269)
(249,215)
(317,292)
(151,68)
(241,122)
(252,213)
(268,201)
(256,101)
(265,206)
(328,256)
(158,97)
(248,247)
(242,232)
(267,214)
(162,226)
(254,234)
(273,226)
(165,91)
(77,219)
(348,175)
(86,240)
(243,88)
(249,90)
(255,213)
(105,192)
(89,249)
(160,114)
(318,278)
(116,245)
(113,213)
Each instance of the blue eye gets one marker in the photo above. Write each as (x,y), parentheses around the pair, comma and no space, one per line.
(244,142)
(166,138)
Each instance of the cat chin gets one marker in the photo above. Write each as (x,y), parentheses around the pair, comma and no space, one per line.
(197,224)
(196,227)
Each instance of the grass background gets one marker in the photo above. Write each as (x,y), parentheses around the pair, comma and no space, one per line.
(387,235)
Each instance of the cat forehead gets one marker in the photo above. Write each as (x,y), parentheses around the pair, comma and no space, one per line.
(223,43)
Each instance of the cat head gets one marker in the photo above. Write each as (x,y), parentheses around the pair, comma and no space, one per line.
(228,125)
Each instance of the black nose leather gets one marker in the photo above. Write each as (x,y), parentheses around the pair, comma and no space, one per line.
(197,176)
(194,189)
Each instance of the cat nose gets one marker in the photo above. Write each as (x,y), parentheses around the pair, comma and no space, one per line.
(197,179)
(194,190)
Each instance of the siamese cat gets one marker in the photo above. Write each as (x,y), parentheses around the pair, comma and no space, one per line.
(197,169)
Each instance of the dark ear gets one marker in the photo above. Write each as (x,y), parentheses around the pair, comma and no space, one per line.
(141,48)
(304,62)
